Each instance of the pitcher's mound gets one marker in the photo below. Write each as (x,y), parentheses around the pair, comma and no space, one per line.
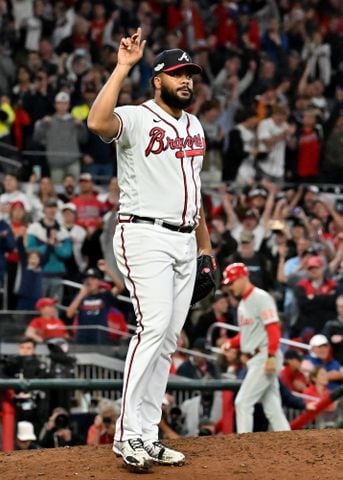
(301,455)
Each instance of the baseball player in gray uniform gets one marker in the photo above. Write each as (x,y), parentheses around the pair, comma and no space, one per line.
(258,340)
(161,230)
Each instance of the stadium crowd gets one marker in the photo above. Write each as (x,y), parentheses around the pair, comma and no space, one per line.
(270,99)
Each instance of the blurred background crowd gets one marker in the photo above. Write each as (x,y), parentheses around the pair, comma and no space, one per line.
(270,99)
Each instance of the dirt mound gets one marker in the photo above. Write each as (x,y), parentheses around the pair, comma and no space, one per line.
(302,455)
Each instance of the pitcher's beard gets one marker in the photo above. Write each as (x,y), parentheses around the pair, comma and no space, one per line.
(173,100)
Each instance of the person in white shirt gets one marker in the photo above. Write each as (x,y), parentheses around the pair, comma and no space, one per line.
(272,135)
(12,194)
(239,158)
(206,405)
(38,194)
(77,234)
(252,220)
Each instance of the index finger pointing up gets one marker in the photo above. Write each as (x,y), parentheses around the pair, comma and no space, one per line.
(136,37)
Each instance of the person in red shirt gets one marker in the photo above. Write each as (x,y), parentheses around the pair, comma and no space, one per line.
(47,325)
(88,207)
(291,375)
(101,432)
(309,146)
(98,23)
(117,322)
(318,388)
(185,17)
(315,295)
(236,27)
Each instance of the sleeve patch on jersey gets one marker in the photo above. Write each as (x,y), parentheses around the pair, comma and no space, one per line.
(269,315)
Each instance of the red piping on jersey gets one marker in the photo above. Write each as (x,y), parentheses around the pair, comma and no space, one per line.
(140,323)
(183,172)
(186,193)
(196,192)
(248,292)
(192,167)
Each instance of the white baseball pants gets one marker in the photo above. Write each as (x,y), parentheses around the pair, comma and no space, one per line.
(159,267)
(259,387)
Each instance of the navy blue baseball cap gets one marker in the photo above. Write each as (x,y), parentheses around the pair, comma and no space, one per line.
(93,272)
(293,354)
(170,60)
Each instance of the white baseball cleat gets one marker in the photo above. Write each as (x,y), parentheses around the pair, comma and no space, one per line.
(134,454)
(164,455)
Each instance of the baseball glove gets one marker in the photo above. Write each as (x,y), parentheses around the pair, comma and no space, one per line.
(205,278)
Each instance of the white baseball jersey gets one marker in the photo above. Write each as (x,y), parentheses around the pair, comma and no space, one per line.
(159,162)
(275,161)
(255,311)
(247,169)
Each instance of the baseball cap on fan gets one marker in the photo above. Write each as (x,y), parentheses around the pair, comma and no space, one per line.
(62,97)
(69,206)
(292,355)
(25,431)
(170,60)
(258,192)
(251,213)
(51,202)
(246,237)
(318,340)
(315,262)
(45,302)
(94,273)
(86,177)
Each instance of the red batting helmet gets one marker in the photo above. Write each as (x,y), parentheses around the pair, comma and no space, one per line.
(234,271)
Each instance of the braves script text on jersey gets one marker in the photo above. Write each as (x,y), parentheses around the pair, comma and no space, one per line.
(256,310)
(159,162)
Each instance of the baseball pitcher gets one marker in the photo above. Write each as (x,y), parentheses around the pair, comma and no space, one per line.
(161,230)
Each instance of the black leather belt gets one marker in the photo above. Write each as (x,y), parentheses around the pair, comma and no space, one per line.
(156,221)
(251,354)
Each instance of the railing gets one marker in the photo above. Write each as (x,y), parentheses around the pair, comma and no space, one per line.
(104,384)
(233,328)
(13,323)
(12,159)
(94,366)
(8,411)
(178,384)
(283,341)
(10,162)
(70,283)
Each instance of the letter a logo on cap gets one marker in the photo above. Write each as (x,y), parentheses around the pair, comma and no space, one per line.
(159,67)
(184,56)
